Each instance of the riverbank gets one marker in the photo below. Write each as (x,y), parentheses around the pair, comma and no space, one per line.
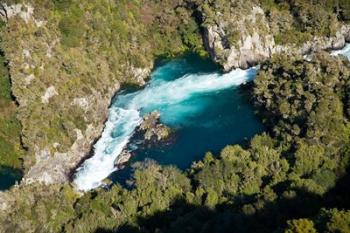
(190,99)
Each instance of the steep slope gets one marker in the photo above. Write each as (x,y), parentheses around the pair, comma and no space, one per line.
(68,59)
(245,33)
(289,179)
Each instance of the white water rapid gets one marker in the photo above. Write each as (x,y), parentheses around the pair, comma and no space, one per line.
(170,97)
(345,51)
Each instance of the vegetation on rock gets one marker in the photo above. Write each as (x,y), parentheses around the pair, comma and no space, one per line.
(287,180)
(10,128)
(152,129)
(68,58)
(64,66)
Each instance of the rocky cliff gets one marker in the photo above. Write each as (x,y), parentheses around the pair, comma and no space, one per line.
(243,34)
(67,60)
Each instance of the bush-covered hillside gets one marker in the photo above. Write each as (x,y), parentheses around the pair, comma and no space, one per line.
(61,62)
(69,57)
(291,179)
(10,128)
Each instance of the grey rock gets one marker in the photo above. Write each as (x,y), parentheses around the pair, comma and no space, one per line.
(257,44)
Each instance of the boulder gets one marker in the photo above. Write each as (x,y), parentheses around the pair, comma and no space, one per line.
(152,129)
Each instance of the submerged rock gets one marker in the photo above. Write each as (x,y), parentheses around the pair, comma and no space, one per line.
(151,132)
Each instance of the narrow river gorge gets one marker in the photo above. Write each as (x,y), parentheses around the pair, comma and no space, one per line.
(207,109)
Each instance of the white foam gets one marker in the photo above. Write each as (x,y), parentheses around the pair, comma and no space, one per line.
(94,170)
(183,88)
(125,116)
(345,51)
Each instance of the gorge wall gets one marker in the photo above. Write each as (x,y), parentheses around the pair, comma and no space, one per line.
(243,34)
(68,58)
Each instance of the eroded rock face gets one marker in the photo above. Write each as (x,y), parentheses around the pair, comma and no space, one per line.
(252,47)
(22,10)
(49,93)
(63,93)
(244,40)
(52,166)
(140,75)
(5,201)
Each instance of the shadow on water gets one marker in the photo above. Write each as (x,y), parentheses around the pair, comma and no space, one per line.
(271,217)
(9,176)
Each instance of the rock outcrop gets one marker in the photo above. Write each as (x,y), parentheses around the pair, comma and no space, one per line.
(252,46)
(123,158)
(245,37)
(150,133)
(63,93)
(152,129)
(65,74)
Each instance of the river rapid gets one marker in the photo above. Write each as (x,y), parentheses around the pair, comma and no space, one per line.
(207,108)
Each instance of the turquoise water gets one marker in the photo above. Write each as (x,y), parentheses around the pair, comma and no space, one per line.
(207,109)
(227,119)
(213,120)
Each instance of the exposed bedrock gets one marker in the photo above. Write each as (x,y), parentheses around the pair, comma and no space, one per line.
(64,88)
(245,40)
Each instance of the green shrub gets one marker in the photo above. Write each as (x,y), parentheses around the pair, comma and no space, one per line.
(62,5)
(5,85)
(72,27)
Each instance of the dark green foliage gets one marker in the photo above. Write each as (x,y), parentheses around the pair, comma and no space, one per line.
(62,5)
(299,20)
(10,128)
(279,182)
(344,6)
(5,85)
(298,98)
(302,102)
(334,220)
(72,32)
(300,226)
(340,7)
(71,24)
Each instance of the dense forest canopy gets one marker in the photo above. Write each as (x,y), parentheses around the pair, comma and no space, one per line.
(292,178)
